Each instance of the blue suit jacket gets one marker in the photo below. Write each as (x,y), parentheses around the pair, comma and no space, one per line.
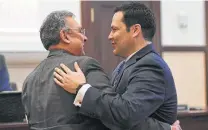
(4,75)
(145,88)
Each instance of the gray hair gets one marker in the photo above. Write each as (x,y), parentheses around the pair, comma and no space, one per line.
(51,27)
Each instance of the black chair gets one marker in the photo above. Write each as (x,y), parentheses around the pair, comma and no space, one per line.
(11,108)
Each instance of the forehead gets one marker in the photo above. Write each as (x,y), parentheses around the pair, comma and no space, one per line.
(117,20)
(72,23)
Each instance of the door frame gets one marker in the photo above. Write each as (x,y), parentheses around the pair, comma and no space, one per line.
(155,7)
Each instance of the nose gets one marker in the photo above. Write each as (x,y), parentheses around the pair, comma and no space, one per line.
(85,38)
(110,36)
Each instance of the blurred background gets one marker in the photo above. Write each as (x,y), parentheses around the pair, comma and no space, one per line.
(181,39)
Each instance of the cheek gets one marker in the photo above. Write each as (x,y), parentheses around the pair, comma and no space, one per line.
(79,41)
(117,37)
(78,49)
(77,44)
(124,42)
(120,39)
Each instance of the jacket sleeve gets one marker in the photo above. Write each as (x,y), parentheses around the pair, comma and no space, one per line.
(143,96)
(95,75)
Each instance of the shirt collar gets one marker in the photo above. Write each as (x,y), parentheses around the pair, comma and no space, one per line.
(134,53)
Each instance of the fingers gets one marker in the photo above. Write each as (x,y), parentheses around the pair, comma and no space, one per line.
(58,82)
(77,68)
(60,72)
(65,68)
(58,77)
(176,122)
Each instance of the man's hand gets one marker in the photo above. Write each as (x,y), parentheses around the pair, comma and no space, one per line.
(176,126)
(68,79)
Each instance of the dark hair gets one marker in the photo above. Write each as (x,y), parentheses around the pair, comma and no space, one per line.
(51,27)
(137,13)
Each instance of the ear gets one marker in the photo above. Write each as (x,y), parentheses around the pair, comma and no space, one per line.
(136,29)
(64,37)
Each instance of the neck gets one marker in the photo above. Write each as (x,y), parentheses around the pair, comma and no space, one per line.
(57,47)
(65,47)
(138,46)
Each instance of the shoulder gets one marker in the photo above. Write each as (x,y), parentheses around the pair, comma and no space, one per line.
(86,60)
(87,63)
(151,62)
(82,61)
(152,59)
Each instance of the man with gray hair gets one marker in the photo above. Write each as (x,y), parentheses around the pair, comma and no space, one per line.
(49,106)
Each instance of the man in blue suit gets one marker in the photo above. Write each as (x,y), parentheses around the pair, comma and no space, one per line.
(4,75)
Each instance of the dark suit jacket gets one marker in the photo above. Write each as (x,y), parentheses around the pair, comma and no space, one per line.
(4,75)
(49,106)
(145,89)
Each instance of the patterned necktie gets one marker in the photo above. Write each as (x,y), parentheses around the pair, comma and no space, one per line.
(118,72)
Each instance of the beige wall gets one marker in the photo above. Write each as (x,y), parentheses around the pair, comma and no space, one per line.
(188,69)
(21,64)
(178,19)
(18,75)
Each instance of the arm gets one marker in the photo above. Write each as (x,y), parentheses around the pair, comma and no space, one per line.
(147,124)
(95,75)
(143,96)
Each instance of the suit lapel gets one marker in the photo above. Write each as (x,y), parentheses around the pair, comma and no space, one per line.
(141,53)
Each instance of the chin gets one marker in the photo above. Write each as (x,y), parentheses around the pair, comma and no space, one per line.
(118,54)
(115,53)
(83,53)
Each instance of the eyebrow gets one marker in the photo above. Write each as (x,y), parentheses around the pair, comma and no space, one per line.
(114,27)
(78,27)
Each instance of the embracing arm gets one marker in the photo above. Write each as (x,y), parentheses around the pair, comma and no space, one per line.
(144,94)
(121,111)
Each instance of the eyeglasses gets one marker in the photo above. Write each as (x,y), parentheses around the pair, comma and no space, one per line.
(80,30)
